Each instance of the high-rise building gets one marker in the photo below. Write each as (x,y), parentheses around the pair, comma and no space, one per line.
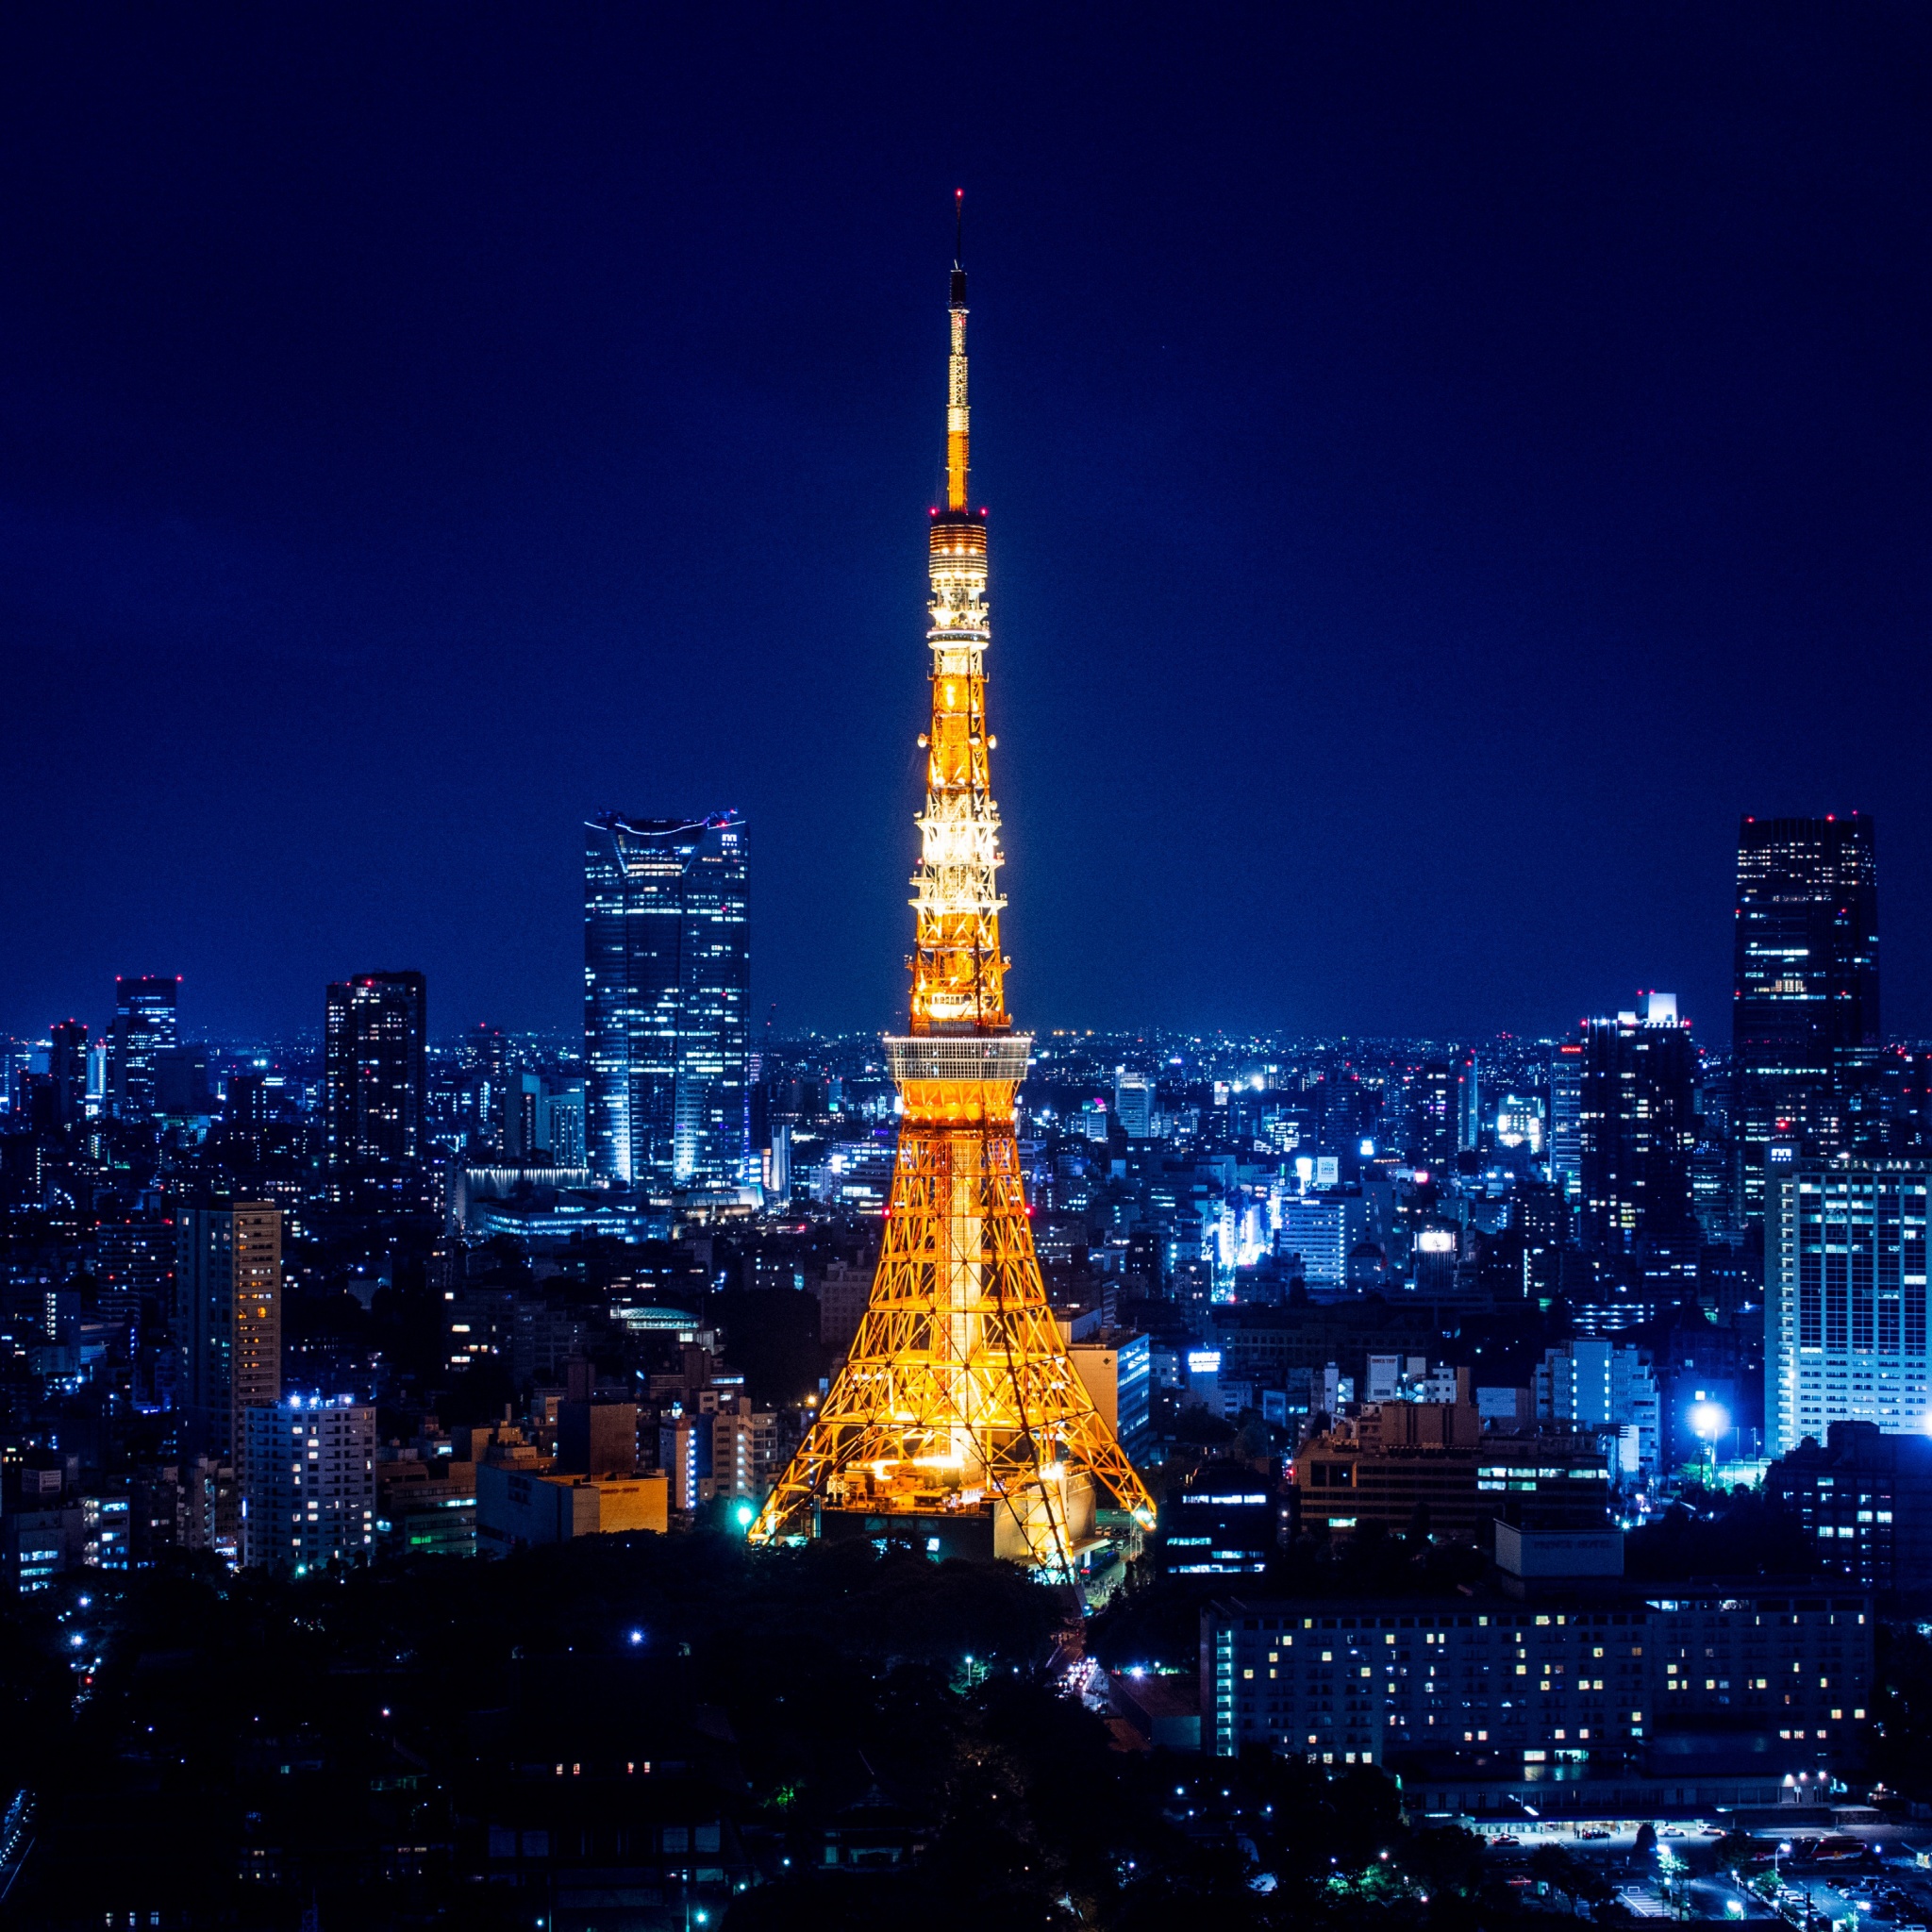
(1637,1128)
(493,1107)
(1844,1295)
(308,1489)
(1566,1118)
(1320,1234)
(1435,1116)
(1805,1017)
(228,1320)
(144,1026)
(1468,1104)
(67,1071)
(667,983)
(521,1103)
(375,1049)
(1133,1104)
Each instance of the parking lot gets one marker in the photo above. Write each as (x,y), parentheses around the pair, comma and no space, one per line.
(1808,1877)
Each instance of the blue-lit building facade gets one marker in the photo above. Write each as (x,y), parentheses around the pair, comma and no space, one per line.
(1845,1337)
(1805,1017)
(144,1028)
(667,987)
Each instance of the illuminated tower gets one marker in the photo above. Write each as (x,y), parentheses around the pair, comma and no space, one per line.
(958,1419)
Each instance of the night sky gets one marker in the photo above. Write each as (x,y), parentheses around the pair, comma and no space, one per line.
(1446,464)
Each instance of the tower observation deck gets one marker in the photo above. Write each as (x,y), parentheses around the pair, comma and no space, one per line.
(958,1418)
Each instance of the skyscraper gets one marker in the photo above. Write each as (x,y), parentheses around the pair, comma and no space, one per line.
(1845,1296)
(228,1320)
(1436,1116)
(492,1091)
(145,1025)
(1468,1104)
(1637,1126)
(67,1071)
(1565,1124)
(375,1050)
(1566,1107)
(667,983)
(1804,1016)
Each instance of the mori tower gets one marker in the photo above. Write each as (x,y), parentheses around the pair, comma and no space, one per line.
(959,1420)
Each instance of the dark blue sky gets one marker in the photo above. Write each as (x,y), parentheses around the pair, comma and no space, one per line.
(1446,464)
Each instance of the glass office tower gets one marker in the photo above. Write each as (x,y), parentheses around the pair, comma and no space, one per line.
(144,1027)
(667,986)
(1805,1020)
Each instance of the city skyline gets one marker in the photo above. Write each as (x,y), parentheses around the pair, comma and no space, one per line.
(1481,531)
(1326,1326)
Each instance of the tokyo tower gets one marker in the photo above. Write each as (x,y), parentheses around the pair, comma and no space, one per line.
(958,1420)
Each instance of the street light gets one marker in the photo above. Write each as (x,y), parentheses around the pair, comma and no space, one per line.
(1709,1422)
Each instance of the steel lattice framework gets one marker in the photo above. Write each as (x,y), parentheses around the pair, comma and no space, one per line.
(957,1397)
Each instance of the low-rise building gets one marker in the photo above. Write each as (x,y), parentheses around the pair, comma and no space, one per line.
(529,1507)
(1555,1689)
(1865,1501)
(1226,1520)
(718,1446)
(39,1539)
(1432,1469)
(426,1507)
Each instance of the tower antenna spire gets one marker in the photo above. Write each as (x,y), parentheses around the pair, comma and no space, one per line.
(959,416)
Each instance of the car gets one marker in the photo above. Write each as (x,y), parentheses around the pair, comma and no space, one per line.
(1503,1838)
(1593,1834)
